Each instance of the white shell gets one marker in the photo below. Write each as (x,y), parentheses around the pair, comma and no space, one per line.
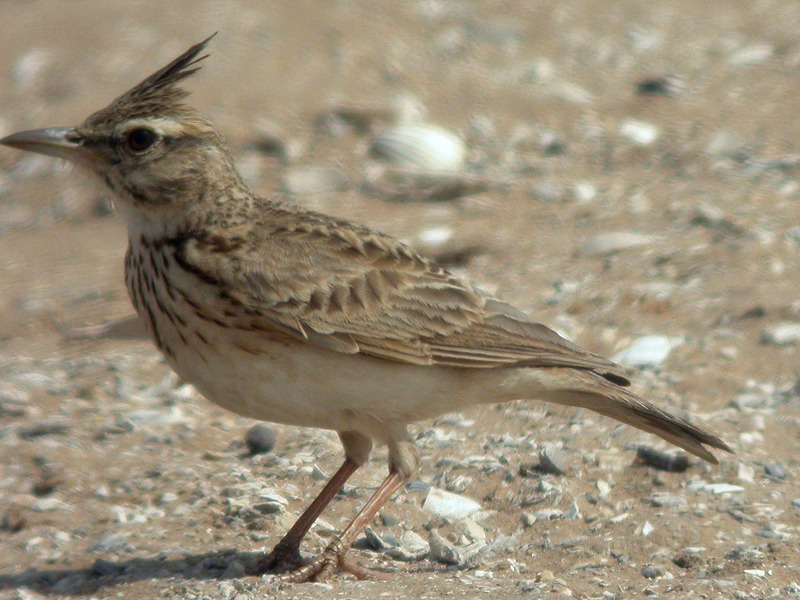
(419,146)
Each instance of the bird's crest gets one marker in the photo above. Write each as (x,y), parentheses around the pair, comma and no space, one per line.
(159,92)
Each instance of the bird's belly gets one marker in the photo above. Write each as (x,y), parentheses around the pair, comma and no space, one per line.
(299,384)
(296,383)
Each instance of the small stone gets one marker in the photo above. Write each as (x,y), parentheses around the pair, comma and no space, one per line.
(647,352)
(659,86)
(645,529)
(722,488)
(674,463)
(49,505)
(442,550)
(583,192)
(752,54)
(42,428)
(167,498)
(603,488)
(104,568)
(375,541)
(115,543)
(783,334)
(652,571)
(667,500)
(13,520)
(412,548)
(552,460)
(612,242)
(640,133)
(775,470)
(725,144)
(745,473)
(573,512)
(449,505)
(260,439)
(689,557)
(235,570)
(470,530)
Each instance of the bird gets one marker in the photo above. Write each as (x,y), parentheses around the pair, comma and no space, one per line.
(290,316)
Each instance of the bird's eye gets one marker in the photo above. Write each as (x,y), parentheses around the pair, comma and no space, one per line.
(140,139)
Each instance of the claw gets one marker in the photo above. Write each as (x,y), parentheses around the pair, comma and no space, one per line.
(284,558)
(322,567)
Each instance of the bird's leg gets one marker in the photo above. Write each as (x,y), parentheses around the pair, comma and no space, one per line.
(403,461)
(285,556)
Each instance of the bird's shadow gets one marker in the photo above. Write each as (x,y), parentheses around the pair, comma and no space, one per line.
(218,565)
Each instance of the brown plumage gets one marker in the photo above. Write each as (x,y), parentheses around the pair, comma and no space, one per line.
(291,316)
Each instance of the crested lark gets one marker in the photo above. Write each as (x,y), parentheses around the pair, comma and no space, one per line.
(290,316)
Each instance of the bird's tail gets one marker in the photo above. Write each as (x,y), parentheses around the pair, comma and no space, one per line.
(586,389)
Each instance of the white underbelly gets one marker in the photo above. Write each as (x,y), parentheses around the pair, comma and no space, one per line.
(300,384)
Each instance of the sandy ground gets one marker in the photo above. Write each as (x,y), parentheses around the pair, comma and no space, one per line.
(675,121)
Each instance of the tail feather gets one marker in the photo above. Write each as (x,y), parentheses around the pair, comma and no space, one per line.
(586,389)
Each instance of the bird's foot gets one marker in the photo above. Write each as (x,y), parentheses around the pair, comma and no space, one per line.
(284,558)
(325,564)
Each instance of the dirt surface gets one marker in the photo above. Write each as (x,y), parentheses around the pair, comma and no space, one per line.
(674,121)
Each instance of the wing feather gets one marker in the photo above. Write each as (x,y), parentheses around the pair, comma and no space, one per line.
(352,290)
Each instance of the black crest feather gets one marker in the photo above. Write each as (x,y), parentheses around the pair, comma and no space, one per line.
(158,93)
(164,80)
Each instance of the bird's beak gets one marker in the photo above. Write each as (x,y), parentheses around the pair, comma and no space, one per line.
(59,142)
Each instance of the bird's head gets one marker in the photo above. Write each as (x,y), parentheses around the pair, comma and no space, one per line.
(150,148)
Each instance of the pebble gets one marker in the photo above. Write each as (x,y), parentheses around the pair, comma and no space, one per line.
(640,133)
(115,543)
(43,428)
(411,548)
(442,550)
(667,85)
(665,461)
(573,512)
(260,438)
(652,571)
(722,488)
(689,557)
(725,144)
(659,499)
(752,54)
(552,460)
(775,470)
(783,334)
(448,505)
(583,192)
(606,244)
(645,529)
(470,530)
(376,542)
(647,352)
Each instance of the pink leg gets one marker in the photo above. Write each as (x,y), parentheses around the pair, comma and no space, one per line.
(334,555)
(285,556)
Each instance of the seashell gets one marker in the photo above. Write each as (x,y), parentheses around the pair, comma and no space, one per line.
(419,146)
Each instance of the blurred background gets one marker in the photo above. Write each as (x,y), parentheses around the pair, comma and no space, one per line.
(625,172)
